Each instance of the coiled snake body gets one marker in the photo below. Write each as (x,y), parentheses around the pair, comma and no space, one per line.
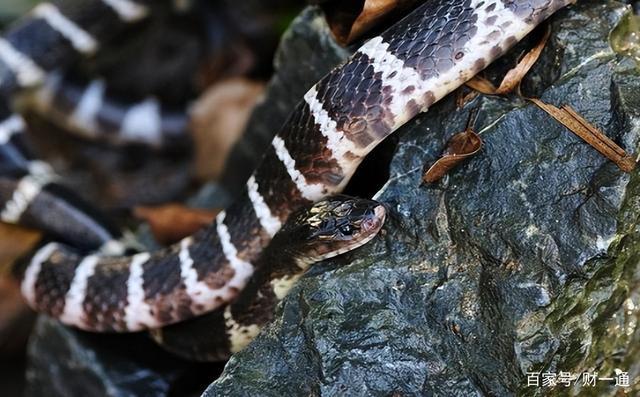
(389,80)
(51,36)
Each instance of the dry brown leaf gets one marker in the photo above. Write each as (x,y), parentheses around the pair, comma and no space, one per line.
(514,77)
(568,117)
(172,222)
(463,97)
(511,81)
(218,120)
(372,13)
(482,85)
(16,319)
(351,20)
(461,146)
(15,241)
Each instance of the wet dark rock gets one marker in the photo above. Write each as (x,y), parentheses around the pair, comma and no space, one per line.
(525,258)
(66,362)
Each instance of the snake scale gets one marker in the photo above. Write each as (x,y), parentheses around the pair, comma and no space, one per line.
(390,79)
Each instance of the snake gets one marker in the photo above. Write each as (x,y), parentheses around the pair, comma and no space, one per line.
(89,111)
(390,79)
(328,228)
(50,37)
(34,52)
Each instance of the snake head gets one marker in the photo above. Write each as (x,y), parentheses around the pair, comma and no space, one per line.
(333,226)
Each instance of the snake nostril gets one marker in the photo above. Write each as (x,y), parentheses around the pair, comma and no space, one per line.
(369,224)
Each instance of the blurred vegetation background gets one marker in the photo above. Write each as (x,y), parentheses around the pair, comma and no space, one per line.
(10,9)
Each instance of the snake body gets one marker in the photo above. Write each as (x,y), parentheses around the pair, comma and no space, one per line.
(90,112)
(328,228)
(390,79)
(50,37)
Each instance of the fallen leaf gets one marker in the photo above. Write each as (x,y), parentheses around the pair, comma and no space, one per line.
(461,146)
(372,13)
(482,85)
(218,119)
(15,242)
(577,124)
(512,79)
(16,319)
(349,21)
(462,97)
(171,222)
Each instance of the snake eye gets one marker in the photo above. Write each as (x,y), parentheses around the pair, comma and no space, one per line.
(346,230)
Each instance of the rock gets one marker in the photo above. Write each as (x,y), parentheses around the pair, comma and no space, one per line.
(66,362)
(523,259)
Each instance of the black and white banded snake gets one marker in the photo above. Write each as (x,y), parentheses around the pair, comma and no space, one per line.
(389,80)
(50,37)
